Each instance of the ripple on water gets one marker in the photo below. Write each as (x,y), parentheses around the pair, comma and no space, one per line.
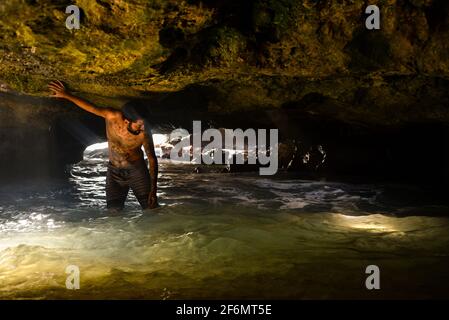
(215,235)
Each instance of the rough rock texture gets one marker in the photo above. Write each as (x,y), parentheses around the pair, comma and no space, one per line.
(253,54)
(309,68)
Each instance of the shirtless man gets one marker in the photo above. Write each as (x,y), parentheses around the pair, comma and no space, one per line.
(127,169)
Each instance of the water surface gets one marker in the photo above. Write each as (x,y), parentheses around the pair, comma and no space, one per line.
(221,236)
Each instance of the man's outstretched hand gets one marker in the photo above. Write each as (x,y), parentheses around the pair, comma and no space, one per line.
(58,89)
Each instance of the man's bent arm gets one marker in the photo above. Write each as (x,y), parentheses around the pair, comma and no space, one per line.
(148,145)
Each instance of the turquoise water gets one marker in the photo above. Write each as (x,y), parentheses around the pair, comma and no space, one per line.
(221,236)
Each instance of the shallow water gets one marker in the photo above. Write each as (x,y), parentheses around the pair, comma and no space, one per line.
(221,236)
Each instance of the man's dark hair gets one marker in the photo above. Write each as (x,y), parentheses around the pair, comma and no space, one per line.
(133,112)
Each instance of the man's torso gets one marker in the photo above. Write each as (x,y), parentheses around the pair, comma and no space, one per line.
(124,147)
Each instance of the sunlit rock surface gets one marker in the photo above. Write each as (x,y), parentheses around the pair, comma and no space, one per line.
(255,55)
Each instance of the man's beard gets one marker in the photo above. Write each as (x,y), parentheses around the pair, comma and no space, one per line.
(134,132)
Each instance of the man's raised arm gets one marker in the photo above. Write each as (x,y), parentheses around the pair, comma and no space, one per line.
(59,91)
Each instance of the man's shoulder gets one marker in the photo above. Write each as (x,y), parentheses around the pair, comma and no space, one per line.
(113,114)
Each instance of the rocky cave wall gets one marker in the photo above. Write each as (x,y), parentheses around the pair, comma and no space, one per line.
(294,65)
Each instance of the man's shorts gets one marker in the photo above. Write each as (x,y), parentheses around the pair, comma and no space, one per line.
(119,180)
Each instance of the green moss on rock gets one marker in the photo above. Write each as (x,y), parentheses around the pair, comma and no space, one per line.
(258,54)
